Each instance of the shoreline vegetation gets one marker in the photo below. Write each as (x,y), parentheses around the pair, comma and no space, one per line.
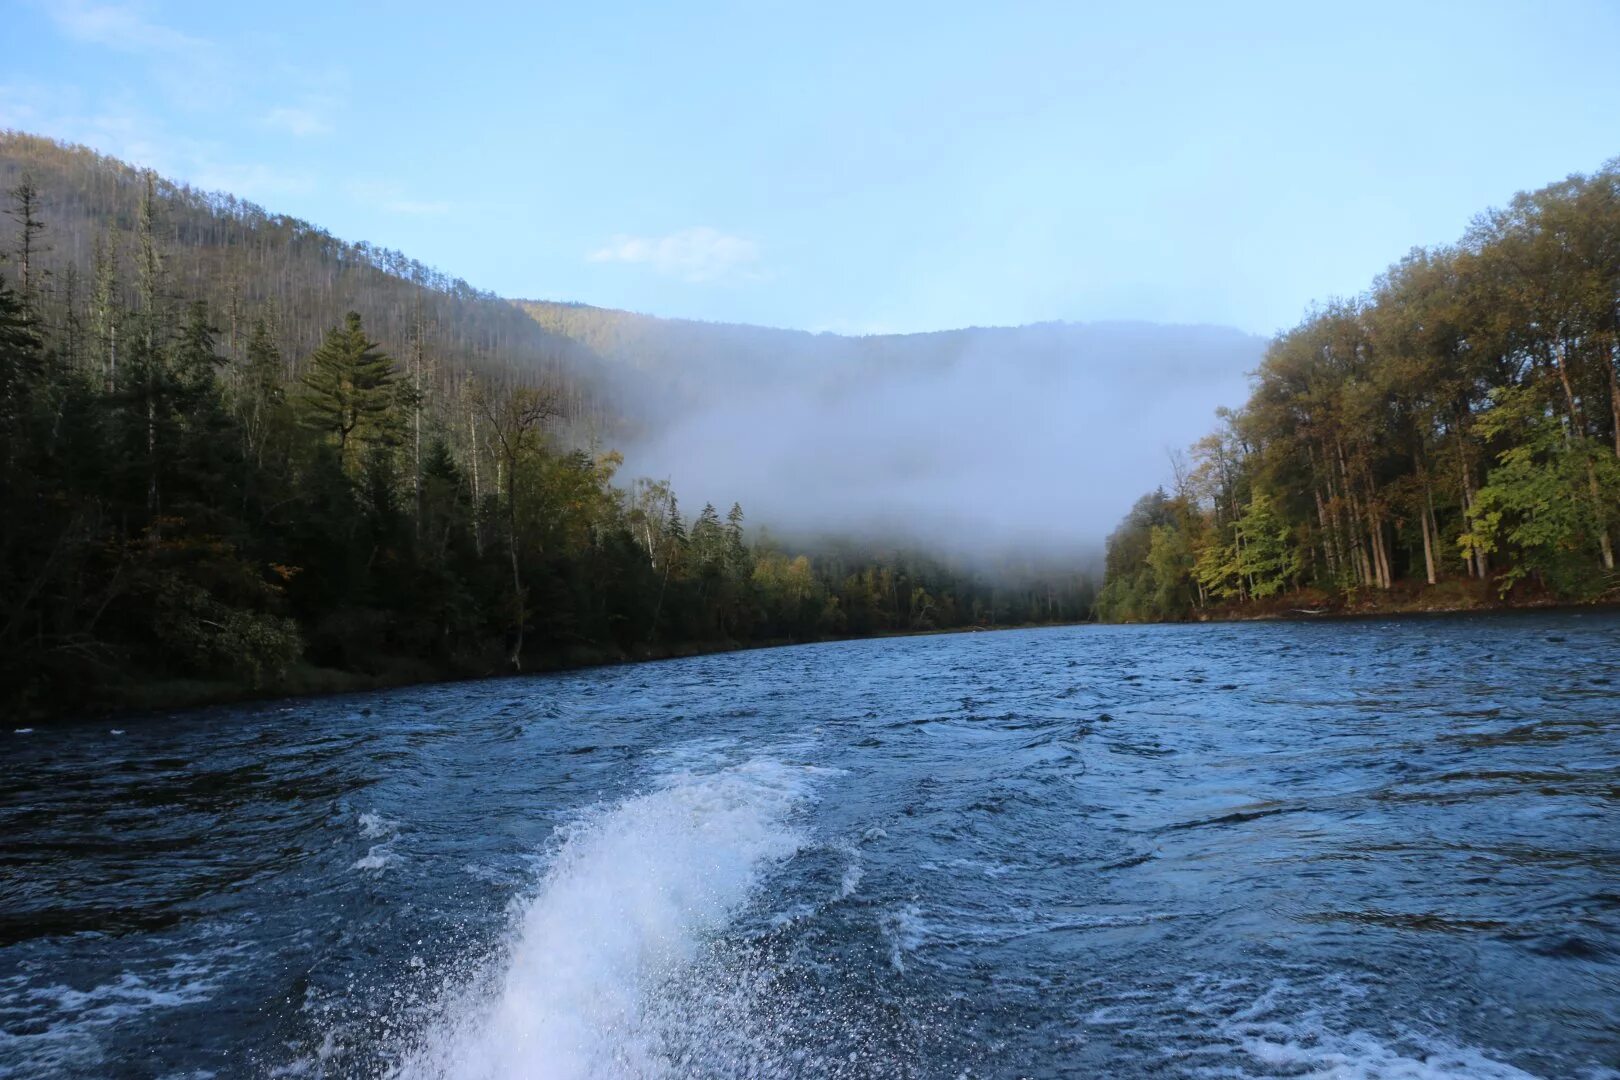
(303,680)
(1448,439)
(238,454)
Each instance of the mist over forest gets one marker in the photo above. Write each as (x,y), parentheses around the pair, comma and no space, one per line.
(239,446)
(1002,442)
(1028,441)
(243,451)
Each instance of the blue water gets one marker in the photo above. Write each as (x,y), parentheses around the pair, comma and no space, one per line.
(1351,849)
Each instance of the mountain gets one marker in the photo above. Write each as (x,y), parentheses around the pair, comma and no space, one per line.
(239,455)
(816,431)
(248,262)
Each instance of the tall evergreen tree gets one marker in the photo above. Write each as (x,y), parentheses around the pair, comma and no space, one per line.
(350,389)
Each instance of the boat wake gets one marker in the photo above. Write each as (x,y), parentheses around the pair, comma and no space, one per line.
(609,966)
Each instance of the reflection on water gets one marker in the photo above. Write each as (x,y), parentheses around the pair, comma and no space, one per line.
(1354,849)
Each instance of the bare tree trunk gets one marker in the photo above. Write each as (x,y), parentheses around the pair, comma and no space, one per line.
(1420,462)
(1328,554)
(416,424)
(1577,431)
(1357,543)
(1375,541)
(1428,540)
(477,501)
(1614,389)
(519,616)
(1478,566)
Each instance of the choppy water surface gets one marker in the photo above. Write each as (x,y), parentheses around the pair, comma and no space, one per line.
(1341,850)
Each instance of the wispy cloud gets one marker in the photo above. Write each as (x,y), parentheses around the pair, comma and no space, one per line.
(417,207)
(390,196)
(192,72)
(697,254)
(302,121)
(254,180)
(119,26)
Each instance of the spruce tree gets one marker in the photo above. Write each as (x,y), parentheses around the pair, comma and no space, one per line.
(24,211)
(350,390)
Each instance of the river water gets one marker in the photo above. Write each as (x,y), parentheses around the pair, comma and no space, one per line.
(1350,849)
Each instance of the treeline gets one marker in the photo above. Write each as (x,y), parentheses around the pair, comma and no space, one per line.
(172,508)
(1459,423)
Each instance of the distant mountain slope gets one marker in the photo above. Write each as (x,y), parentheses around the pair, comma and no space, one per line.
(980,435)
(689,358)
(247,261)
(1003,435)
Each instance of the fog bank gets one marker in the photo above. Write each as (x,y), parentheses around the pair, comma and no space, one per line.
(1034,440)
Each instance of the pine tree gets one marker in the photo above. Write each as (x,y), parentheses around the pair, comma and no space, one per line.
(675,528)
(350,389)
(261,397)
(708,539)
(20,367)
(195,358)
(104,311)
(25,212)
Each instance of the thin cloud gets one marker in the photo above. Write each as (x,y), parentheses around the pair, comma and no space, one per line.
(697,254)
(192,72)
(121,27)
(256,180)
(389,196)
(417,207)
(302,122)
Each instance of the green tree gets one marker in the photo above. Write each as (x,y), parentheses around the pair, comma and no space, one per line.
(351,391)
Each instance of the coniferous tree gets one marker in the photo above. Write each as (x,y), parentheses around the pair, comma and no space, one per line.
(350,391)
(24,210)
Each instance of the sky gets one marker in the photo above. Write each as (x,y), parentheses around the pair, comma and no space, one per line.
(853,167)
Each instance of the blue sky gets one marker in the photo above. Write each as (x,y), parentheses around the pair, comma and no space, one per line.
(854,167)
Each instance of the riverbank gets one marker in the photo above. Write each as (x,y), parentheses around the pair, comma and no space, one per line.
(304,680)
(1405,599)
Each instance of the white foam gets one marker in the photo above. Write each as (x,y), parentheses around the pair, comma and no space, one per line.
(373,825)
(67,1041)
(628,903)
(1317,1054)
(1303,1031)
(854,871)
(902,928)
(378,858)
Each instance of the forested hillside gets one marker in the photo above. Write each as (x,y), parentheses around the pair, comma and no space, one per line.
(234,450)
(1456,427)
(248,263)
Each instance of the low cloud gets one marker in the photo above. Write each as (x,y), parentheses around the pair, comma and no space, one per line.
(698,254)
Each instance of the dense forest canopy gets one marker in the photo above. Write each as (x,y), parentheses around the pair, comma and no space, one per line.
(1456,426)
(234,448)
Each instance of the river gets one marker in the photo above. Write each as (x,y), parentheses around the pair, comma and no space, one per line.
(1379,849)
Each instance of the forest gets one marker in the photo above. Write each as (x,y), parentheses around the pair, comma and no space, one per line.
(1448,438)
(241,456)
